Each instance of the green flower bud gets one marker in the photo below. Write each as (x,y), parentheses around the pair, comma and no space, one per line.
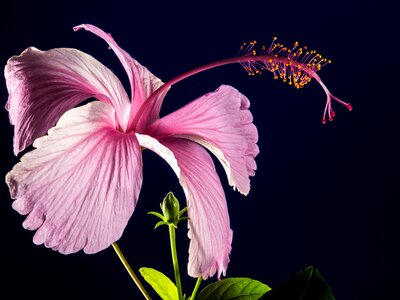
(170,209)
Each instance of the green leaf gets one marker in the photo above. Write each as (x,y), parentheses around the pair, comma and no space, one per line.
(164,287)
(305,285)
(234,288)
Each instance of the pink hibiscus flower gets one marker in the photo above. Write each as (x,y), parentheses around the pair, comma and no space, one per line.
(81,183)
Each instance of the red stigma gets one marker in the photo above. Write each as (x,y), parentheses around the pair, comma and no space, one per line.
(296,66)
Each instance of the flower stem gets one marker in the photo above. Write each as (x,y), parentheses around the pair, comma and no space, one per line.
(130,271)
(196,287)
(172,238)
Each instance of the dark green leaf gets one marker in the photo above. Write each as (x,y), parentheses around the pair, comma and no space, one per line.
(233,288)
(164,287)
(305,285)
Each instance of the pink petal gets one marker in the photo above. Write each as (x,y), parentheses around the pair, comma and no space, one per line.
(221,122)
(42,85)
(143,82)
(209,230)
(81,183)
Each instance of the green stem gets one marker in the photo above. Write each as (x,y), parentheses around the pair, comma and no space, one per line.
(172,238)
(130,271)
(196,287)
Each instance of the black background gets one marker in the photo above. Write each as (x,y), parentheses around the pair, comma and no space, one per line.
(323,195)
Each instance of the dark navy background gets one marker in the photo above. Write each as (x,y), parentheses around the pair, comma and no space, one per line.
(323,195)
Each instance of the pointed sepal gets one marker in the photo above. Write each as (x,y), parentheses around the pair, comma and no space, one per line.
(182,212)
(157,214)
(160,223)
